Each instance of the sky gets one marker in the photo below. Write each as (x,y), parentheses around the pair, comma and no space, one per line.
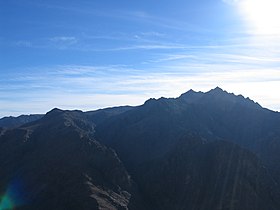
(91,54)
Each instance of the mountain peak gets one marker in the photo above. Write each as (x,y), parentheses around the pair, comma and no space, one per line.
(190,91)
(191,96)
(217,96)
(217,90)
(54,112)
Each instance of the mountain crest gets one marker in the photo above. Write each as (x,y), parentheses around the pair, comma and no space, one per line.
(191,96)
(55,111)
(217,90)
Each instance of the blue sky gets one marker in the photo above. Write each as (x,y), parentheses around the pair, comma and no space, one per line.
(92,54)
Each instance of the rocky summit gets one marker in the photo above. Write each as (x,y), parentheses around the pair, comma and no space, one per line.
(200,151)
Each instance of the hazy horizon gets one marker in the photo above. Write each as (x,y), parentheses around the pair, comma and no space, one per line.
(89,55)
(133,105)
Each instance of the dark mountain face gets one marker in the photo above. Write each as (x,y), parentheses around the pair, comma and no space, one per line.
(101,115)
(12,122)
(200,151)
(212,115)
(208,175)
(96,116)
(153,130)
(62,167)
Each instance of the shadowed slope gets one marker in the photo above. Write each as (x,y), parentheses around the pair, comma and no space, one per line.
(62,167)
(202,176)
(12,122)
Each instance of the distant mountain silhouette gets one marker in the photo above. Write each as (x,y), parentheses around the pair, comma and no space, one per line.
(12,122)
(101,115)
(200,151)
(212,115)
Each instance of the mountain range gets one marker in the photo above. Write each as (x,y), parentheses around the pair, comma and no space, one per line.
(13,122)
(200,151)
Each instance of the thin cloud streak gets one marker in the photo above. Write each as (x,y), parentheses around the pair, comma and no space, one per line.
(132,16)
(160,55)
(91,87)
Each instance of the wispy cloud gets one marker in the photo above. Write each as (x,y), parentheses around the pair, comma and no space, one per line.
(23,43)
(57,42)
(157,55)
(62,42)
(91,87)
(147,47)
(68,39)
(88,9)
